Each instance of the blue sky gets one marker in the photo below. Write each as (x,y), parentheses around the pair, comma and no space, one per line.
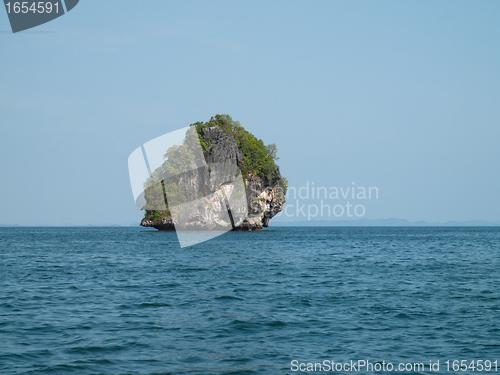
(403,96)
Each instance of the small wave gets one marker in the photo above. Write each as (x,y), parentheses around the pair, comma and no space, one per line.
(228,298)
(276,323)
(154,304)
(103,349)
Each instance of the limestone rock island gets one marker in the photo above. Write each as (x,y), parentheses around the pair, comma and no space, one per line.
(229,150)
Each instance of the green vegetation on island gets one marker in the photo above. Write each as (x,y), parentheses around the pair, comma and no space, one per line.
(258,158)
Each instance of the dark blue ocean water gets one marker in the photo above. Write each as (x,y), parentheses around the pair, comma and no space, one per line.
(130,301)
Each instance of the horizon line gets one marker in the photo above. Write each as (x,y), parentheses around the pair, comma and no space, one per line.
(325,223)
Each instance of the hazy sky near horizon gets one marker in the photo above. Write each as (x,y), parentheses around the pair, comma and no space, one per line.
(403,96)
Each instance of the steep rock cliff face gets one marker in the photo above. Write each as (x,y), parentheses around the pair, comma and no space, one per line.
(221,183)
(264,202)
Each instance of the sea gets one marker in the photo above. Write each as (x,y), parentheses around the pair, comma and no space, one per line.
(123,300)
